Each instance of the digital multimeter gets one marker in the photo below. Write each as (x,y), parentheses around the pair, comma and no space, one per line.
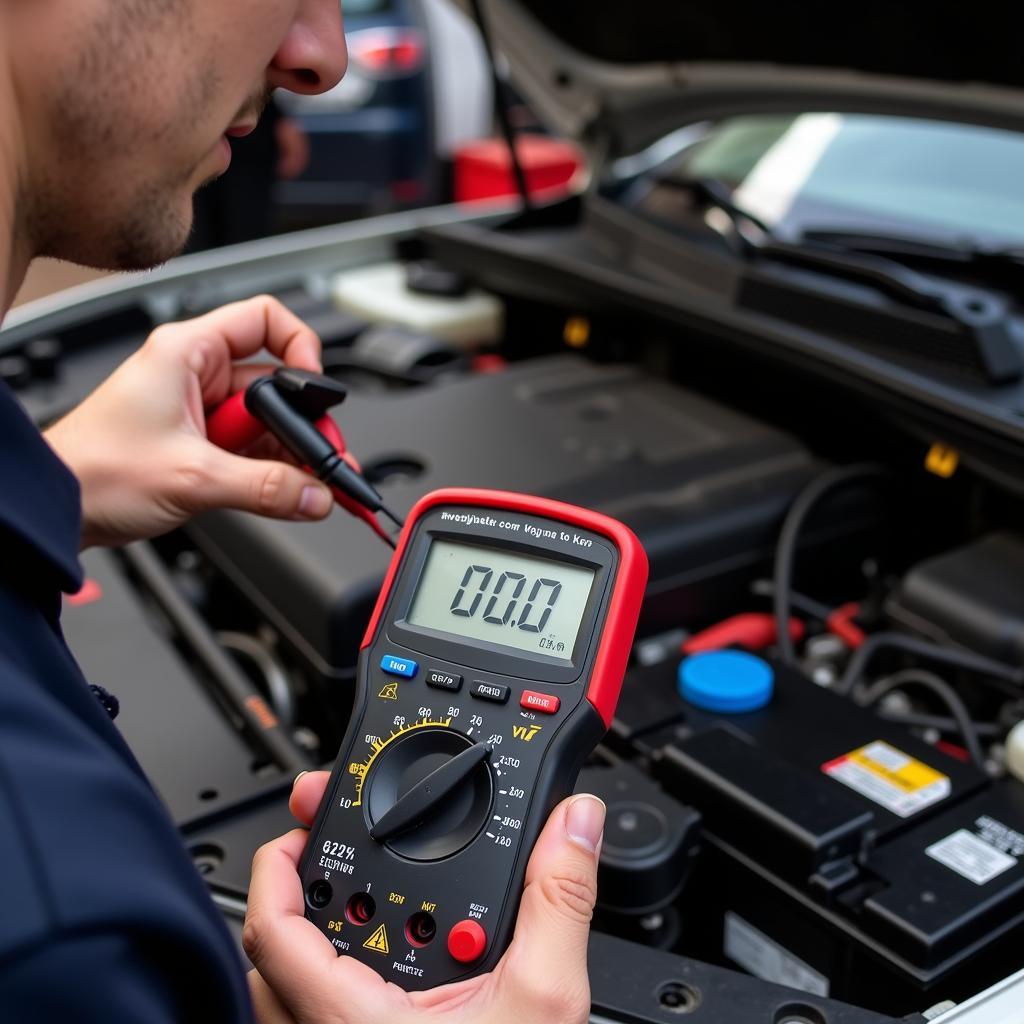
(490,669)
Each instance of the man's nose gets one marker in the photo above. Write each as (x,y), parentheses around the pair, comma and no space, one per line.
(312,57)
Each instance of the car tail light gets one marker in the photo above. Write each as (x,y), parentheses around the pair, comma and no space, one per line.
(387,52)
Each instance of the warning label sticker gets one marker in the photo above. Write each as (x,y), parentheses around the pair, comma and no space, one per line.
(969,855)
(378,941)
(891,778)
(766,959)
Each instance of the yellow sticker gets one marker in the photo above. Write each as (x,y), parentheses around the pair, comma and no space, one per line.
(900,783)
(378,941)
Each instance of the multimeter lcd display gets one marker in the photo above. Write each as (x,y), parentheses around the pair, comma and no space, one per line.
(503,597)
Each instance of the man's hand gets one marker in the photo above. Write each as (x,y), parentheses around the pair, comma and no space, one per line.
(138,443)
(541,979)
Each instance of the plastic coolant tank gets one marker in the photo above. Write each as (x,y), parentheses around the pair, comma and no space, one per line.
(380,294)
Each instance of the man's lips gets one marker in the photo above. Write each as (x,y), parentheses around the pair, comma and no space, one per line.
(239,131)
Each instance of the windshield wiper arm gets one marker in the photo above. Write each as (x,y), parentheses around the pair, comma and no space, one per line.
(983,318)
(998,264)
(909,246)
(713,192)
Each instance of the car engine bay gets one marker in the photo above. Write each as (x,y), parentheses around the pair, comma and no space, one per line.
(857,838)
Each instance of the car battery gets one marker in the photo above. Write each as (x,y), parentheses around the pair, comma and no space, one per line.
(703,487)
(843,854)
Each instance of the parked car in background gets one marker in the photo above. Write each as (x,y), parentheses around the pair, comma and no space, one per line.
(417,85)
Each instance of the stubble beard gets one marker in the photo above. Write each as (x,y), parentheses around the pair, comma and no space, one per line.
(106,200)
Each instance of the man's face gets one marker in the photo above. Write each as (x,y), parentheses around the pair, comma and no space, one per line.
(129,104)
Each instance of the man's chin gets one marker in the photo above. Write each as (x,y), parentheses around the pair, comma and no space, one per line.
(142,236)
(146,246)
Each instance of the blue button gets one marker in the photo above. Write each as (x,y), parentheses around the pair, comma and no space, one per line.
(399,666)
(726,681)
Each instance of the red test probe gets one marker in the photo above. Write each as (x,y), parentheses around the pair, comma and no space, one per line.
(292,405)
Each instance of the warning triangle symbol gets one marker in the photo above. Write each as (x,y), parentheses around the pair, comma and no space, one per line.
(378,941)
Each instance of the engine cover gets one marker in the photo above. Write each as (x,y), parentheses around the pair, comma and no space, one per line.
(702,486)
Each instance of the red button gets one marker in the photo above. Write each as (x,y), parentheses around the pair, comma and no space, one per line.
(467,941)
(540,702)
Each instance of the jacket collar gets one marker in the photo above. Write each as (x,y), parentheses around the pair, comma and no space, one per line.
(40,503)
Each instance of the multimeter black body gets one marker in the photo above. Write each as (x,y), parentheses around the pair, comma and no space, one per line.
(490,669)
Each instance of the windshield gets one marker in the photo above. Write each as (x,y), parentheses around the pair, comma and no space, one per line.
(949,182)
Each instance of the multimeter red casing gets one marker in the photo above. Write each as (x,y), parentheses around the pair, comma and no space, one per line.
(465,881)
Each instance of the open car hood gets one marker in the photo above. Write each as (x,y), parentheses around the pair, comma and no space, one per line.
(617,77)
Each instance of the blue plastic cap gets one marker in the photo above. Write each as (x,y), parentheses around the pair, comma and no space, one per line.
(727,681)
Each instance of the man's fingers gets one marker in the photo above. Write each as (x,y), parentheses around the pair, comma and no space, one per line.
(263,323)
(546,965)
(270,448)
(307,792)
(212,343)
(297,960)
(268,488)
(243,374)
(282,945)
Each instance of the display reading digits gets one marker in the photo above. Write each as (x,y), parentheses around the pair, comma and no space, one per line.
(533,604)
(490,668)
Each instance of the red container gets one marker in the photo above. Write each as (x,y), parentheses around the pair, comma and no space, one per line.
(483,169)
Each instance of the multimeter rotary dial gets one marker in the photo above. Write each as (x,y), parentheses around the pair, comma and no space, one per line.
(428,793)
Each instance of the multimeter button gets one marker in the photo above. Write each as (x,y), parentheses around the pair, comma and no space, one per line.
(497,692)
(467,941)
(444,680)
(539,702)
(399,666)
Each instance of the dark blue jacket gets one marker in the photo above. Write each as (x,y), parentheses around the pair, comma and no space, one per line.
(102,915)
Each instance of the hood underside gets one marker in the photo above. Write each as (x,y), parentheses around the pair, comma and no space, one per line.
(954,42)
(618,77)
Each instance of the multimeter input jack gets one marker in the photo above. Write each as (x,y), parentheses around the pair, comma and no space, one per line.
(420,929)
(360,908)
(319,894)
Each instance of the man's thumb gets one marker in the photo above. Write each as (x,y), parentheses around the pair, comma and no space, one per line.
(561,888)
(266,487)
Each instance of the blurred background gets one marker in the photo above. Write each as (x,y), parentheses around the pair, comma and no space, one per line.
(411,124)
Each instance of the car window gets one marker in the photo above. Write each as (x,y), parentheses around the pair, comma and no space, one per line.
(806,171)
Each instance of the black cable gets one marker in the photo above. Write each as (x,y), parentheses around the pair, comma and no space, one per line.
(501,106)
(1004,677)
(785,551)
(228,681)
(920,677)
(801,602)
(391,515)
(918,720)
